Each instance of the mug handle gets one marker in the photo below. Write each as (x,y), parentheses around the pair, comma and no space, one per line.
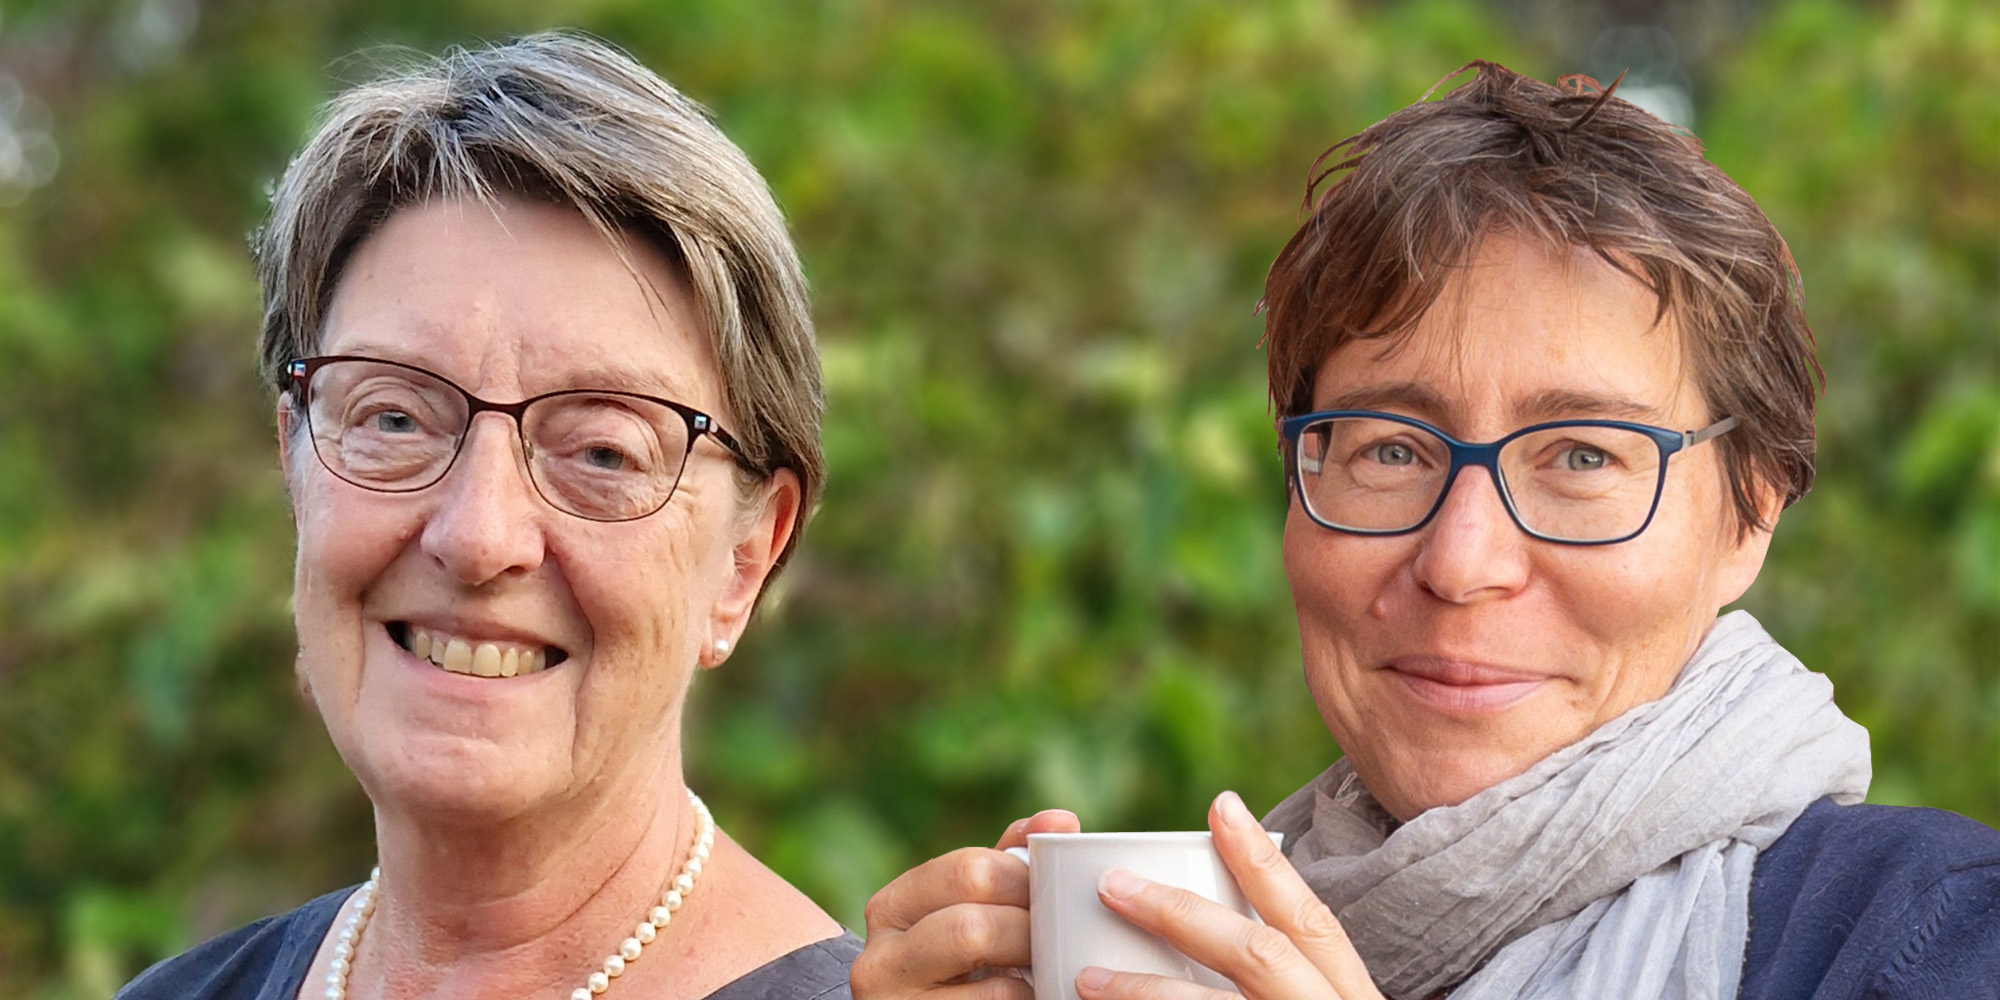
(1025,973)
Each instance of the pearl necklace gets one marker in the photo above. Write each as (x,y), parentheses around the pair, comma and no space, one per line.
(599,981)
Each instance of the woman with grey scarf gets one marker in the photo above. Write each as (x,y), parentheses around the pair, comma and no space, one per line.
(1545,387)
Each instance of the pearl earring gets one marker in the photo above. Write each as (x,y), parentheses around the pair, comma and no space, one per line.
(722,647)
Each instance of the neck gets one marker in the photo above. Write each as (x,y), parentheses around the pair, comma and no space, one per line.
(472,907)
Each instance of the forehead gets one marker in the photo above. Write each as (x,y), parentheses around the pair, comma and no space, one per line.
(513,298)
(1522,333)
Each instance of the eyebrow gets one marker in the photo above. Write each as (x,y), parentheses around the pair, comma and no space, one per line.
(625,380)
(1421,399)
(1558,404)
(607,378)
(1549,404)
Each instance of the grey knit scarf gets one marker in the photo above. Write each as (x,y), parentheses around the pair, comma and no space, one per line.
(1618,866)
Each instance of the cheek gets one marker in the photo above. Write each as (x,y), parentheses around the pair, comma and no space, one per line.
(1643,604)
(345,541)
(637,591)
(1679,560)
(345,545)
(1613,590)
(632,601)
(1338,584)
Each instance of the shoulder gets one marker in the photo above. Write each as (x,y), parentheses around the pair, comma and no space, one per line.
(817,971)
(1876,901)
(265,960)
(1859,858)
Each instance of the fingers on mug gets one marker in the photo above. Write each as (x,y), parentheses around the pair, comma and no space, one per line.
(1070,928)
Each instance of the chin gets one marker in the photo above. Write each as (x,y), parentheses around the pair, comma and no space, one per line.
(1443,777)
(451,778)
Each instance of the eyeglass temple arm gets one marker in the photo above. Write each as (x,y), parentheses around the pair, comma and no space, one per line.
(705,425)
(1717,429)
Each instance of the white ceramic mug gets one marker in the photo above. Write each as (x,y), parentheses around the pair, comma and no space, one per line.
(1070,929)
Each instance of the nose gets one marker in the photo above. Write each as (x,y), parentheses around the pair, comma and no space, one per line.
(1471,550)
(486,524)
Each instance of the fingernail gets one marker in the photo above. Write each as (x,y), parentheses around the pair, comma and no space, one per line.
(1093,978)
(1234,812)
(1118,883)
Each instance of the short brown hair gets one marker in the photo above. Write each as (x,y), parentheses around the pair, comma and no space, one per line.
(1571,166)
(567,119)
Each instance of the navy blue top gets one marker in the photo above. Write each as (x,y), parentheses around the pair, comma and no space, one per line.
(268,960)
(1876,903)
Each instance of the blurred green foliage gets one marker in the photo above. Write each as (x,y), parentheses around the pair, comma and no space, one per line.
(1046,571)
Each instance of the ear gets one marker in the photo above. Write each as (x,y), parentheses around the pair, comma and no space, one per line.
(768,529)
(1745,559)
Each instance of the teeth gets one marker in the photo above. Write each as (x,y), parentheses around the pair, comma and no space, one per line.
(478,659)
(486,660)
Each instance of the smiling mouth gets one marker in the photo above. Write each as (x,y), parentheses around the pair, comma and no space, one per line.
(473,658)
(1470,699)
(1466,688)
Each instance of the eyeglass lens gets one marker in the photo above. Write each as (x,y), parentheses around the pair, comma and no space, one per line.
(604,456)
(1569,483)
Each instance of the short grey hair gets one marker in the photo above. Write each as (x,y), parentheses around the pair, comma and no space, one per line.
(567,119)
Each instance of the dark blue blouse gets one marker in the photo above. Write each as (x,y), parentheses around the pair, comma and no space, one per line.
(268,960)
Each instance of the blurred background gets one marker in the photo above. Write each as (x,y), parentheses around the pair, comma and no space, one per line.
(1046,571)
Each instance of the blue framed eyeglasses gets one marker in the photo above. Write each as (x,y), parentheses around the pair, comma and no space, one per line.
(1576,482)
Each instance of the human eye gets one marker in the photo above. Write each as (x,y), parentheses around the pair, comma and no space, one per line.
(388,430)
(392,408)
(606,457)
(1388,450)
(599,437)
(1582,462)
(1593,450)
(1579,457)
(393,421)
(1385,456)
(1393,453)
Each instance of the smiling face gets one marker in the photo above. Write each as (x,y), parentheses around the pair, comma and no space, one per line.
(510,301)
(1447,660)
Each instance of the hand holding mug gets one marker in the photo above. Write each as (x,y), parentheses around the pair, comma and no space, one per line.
(1299,952)
(942,929)
(1073,930)
(939,930)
